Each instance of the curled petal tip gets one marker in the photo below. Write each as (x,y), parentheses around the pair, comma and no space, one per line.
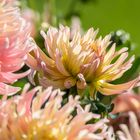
(8,90)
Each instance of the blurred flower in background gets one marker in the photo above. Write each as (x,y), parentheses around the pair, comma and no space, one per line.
(127,121)
(127,102)
(130,131)
(38,114)
(15,43)
(30,17)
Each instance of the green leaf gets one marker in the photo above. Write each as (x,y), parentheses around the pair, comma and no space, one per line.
(97,106)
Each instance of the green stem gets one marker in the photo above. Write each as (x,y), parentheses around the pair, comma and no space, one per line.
(95,95)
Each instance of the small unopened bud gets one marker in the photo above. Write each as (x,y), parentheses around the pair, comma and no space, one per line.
(81,83)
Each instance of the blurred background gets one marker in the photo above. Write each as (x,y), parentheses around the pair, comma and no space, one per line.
(107,15)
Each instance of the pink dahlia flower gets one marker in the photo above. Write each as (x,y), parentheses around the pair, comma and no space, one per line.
(39,115)
(125,127)
(127,102)
(130,131)
(81,60)
(14,44)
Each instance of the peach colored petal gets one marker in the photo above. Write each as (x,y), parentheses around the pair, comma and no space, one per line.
(8,90)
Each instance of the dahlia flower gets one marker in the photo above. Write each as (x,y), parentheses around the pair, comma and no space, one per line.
(126,102)
(14,44)
(81,61)
(125,127)
(131,131)
(39,115)
(129,121)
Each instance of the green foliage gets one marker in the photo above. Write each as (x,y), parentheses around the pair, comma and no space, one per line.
(100,104)
(122,39)
(21,82)
(97,106)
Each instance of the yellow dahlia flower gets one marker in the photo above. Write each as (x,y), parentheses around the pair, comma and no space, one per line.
(80,60)
(39,115)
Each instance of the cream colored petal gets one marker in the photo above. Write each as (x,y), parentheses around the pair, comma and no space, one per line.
(109,55)
(91,70)
(59,64)
(110,89)
(126,131)
(107,91)
(104,44)
(117,64)
(31,62)
(44,57)
(124,86)
(123,50)
(49,43)
(134,126)
(120,60)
